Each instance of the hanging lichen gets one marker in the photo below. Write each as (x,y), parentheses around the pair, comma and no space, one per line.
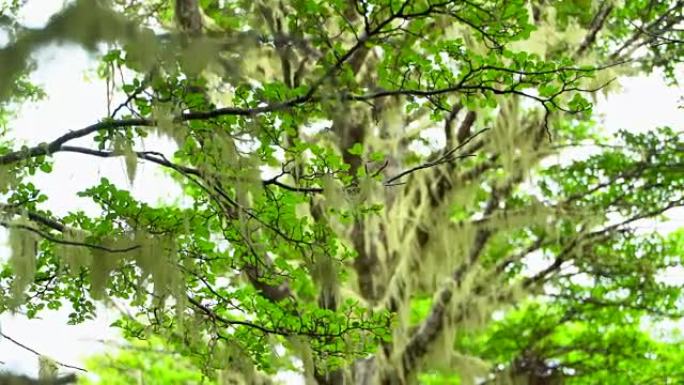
(74,251)
(422,265)
(333,203)
(248,183)
(302,348)
(548,37)
(85,22)
(433,244)
(124,147)
(229,377)
(131,160)
(333,193)
(7,179)
(163,271)
(89,23)
(47,368)
(104,261)
(470,369)
(324,273)
(507,138)
(163,114)
(148,252)
(196,57)
(23,243)
(303,210)
(179,295)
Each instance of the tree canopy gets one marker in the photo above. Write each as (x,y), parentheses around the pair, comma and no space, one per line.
(374,186)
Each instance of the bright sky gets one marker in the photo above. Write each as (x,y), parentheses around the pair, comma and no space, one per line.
(75,102)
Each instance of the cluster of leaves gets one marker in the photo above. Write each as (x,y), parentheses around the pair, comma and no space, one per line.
(589,327)
(144,363)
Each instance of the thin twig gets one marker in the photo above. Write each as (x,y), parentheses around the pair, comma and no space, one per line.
(447,157)
(21,345)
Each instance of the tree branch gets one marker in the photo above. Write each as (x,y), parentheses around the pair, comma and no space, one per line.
(50,238)
(596,25)
(52,382)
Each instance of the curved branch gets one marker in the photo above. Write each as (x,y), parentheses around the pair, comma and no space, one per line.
(55,145)
(446,158)
(54,381)
(50,238)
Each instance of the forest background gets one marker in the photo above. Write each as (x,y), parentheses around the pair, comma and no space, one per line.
(567,324)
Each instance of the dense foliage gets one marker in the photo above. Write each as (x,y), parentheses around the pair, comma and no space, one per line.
(372,186)
(143,363)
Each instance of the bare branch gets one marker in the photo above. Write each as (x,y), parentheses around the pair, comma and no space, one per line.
(50,238)
(446,158)
(21,345)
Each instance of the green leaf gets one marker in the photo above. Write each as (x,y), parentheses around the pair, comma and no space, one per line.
(356,149)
